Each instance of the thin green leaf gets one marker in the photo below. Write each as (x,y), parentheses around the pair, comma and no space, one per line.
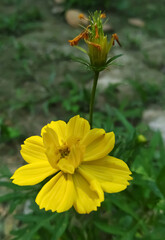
(31,229)
(11,196)
(124,206)
(161,181)
(81,60)
(113,58)
(131,233)
(124,121)
(107,228)
(81,49)
(61,226)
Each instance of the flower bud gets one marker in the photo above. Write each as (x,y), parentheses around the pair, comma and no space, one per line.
(142,139)
(97,42)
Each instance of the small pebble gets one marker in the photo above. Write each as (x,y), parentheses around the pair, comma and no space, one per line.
(59,1)
(58,10)
(72,18)
(136,22)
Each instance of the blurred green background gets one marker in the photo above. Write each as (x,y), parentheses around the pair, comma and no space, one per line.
(39,83)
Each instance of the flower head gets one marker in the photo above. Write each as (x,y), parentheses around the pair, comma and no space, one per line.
(96,40)
(77,159)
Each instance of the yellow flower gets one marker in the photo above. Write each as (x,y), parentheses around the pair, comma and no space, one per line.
(77,159)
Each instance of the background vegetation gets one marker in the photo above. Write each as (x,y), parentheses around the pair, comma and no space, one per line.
(40,83)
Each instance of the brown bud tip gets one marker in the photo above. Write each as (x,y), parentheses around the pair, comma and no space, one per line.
(115,36)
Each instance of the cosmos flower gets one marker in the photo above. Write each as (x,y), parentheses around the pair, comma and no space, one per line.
(76,158)
(97,42)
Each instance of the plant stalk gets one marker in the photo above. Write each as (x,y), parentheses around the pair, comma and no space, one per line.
(92,100)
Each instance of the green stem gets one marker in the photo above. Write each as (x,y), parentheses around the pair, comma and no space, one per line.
(96,76)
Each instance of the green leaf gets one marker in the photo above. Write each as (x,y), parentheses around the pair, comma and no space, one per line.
(81,49)
(122,204)
(61,226)
(5,172)
(113,58)
(31,229)
(124,121)
(161,181)
(107,228)
(10,196)
(9,185)
(81,60)
(130,235)
(13,204)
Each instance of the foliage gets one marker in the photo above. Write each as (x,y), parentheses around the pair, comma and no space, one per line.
(20,22)
(8,133)
(137,213)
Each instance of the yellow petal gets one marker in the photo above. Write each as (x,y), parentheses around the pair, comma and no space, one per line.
(111,173)
(33,150)
(66,166)
(98,144)
(77,127)
(51,143)
(33,173)
(58,194)
(86,199)
(93,183)
(50,137)
(59,127)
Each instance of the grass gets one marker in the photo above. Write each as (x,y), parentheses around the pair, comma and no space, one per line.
(20,22)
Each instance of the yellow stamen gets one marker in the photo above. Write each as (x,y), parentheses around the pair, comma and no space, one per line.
(96,31)
(82,16)
(64,152)
(103,15)
(115,37)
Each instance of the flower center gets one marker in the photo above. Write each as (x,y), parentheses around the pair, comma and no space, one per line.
(70,157)
(64,152)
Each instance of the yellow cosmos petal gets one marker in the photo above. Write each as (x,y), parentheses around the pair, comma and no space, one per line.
(111,173)
(33,173)
(86,199)
(60,129)
(93,183)
(92,135)
(33,150)
(50,137)
(51,143)
(98,144)
(66,166)
(77,127)
(58,194)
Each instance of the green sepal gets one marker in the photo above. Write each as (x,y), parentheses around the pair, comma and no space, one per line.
(113,58)
(81,49)
(94,68)
(106,65)
(81,60)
